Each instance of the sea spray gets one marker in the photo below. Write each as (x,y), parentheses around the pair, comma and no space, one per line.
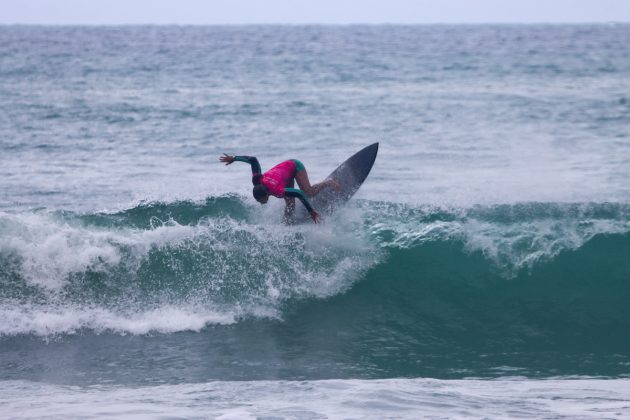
(176,266)
(87,271)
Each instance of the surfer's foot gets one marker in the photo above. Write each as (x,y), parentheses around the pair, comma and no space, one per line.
(334,185)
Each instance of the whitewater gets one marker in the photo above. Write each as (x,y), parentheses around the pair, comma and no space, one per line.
(481,271)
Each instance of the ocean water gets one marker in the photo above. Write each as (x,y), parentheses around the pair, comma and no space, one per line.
(482,271)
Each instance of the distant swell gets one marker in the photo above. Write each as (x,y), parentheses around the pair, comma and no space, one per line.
(534,273)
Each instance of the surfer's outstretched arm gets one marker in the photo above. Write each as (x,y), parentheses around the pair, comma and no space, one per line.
(293,192)
(228,159)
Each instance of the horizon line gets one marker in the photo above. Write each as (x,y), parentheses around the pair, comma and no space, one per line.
(612,22)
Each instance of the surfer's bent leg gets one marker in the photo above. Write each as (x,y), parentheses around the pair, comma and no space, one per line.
(301,176)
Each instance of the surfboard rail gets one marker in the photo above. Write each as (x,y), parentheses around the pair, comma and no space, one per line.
(350,175)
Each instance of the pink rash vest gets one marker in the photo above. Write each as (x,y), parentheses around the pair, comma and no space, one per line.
(278,180)
(279,177)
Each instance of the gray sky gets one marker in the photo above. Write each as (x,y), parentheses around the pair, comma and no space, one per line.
(311,11)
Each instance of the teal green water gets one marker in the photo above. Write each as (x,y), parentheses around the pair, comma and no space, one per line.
(209,291)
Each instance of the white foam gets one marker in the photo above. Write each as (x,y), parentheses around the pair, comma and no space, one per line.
(49,320)
(575,398)
(241,269)
(50,251)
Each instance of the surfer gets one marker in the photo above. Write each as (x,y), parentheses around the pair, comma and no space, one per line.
(279,181)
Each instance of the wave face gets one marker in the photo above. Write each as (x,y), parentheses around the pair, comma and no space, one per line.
(418,281)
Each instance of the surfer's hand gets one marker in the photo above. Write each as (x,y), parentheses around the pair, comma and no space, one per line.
(227,159)
(314,216)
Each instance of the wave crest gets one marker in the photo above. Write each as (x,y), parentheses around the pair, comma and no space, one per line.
(216,262)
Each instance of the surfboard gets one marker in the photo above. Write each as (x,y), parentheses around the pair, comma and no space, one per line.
(350,176)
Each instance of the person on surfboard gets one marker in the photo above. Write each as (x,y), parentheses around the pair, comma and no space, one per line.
(279,182)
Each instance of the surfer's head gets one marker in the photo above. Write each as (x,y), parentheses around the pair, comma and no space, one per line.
(261,194)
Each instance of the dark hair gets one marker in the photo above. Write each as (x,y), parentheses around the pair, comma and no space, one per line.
(260,191)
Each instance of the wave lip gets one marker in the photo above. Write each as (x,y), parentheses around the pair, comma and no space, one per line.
(511,237)
(167,267)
